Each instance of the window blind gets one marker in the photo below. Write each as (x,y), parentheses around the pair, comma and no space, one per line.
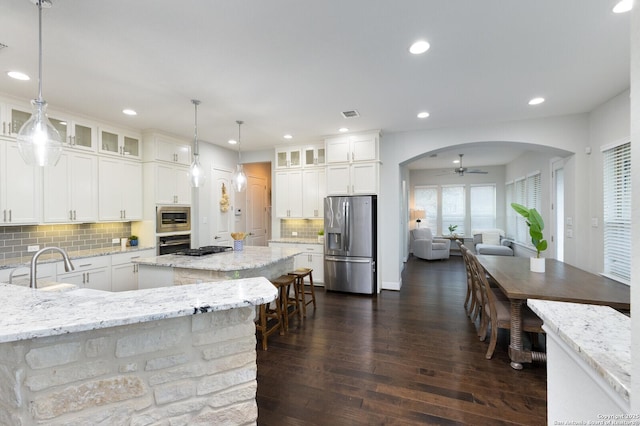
(426,198)
(617,211)
(519,196)
(482,206)
(453,209)
(510,214)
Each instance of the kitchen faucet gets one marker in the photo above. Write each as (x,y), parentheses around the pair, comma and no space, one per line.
(68,266)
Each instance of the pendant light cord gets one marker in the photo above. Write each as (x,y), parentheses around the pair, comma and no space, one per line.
(239,155)
(195,131)
(40,51)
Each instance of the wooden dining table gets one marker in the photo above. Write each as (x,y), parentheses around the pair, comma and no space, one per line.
(560,282)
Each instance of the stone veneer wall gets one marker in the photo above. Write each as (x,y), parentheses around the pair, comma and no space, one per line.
(306,228)
(84,236)
(196,370)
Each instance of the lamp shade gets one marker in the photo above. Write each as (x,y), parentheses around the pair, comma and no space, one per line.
(418,214)
(39,143)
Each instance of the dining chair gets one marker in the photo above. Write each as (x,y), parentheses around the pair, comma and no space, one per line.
(496,312)
(469,298)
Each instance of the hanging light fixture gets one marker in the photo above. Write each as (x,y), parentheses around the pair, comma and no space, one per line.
(39,142)
(239,179)
(197,175)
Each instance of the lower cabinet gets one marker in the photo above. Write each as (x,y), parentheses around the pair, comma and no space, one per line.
(124,274)
(312,257)
(91,272)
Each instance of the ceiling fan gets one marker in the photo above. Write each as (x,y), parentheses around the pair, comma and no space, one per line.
(462,170)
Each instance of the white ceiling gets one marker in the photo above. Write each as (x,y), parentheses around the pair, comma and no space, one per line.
(287,66)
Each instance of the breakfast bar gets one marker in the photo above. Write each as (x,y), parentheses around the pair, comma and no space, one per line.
(177,269)
(83,356)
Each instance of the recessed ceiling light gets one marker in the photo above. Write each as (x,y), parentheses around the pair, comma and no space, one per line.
(536,101)
(343,130)
(288,136)
(423,114)
(233,141)
(18,75)
(129,112)
(419,47)
(623,6)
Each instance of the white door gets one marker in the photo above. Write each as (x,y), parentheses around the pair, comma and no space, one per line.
(222,224)
(256,211)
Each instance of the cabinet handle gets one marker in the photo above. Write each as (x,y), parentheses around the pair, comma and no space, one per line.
(9,215)
(4,127)
(70,214)
(74,215)
(353,157)
(87,277)
(10,127)
(5,216)
(84,278)
(124,213)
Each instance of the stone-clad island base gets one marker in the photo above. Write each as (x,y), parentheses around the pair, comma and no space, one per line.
(197,369)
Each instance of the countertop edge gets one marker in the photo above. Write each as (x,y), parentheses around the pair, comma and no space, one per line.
(599,335)
(30,313)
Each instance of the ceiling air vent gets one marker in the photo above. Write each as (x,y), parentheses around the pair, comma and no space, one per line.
(350,114)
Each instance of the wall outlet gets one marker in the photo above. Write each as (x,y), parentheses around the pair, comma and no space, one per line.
(115,241)
(31,249)
(294,234)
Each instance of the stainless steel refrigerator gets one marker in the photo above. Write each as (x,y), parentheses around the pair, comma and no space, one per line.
(350,244)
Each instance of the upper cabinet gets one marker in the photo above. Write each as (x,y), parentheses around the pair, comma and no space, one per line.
(158,147)
(352,148)
(20,187)
(77,134)
(119,190)
(313,155)
(117,142)
(288,157)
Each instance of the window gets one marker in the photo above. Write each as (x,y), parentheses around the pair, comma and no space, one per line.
(426,198)
(511,214)
(519,194)
(453,210)
(483,206)
(617,211)
(526,191)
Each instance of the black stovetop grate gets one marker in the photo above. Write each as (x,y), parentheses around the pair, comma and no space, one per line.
(204,250)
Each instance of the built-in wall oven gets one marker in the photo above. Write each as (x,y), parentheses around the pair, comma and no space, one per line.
(169,244)
(173,219)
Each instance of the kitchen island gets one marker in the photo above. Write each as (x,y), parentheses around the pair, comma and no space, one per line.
(180,354)
(175,269)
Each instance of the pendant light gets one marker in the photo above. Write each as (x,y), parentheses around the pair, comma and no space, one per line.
(39,142)
(239,179)
(197,176)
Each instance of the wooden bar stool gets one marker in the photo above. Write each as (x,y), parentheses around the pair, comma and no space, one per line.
(265,314)
(300,275)
(284,284)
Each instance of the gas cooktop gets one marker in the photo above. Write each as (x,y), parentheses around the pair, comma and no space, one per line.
(204,250)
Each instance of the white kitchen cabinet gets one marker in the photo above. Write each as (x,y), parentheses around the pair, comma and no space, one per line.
(120,143)
(312,257)
(289,194)
(313,156)
(71,189)
(353,179)
(314,182)
(170,150)
(288,157)
(90,272)
(78,134)
(124,274)
(120,190)
(352,148)
(172,184)
(13,117)
(20,187)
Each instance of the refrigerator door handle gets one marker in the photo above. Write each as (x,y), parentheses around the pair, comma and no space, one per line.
(343,259)
(347,226)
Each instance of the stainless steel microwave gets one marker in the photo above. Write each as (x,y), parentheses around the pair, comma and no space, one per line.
(172,219)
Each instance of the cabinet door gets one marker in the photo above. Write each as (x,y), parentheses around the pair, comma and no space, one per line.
(338,178)
(289,194)
(337,150)
(124,277)
(282,194)
(182,185)
(364,178)
(98,279)
(110,189)
(109,142)
(165,184)
(83,185)
(83,136)
(131,146)
(172,151)
(131,178)
(57,194)
(314,184)
(22,186)
(364,147)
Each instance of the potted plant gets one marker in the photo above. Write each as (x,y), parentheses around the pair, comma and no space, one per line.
(452,229)
(133,240)
(536,225)
(321,236)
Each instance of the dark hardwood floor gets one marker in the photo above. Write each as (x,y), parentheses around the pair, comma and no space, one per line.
(407,357)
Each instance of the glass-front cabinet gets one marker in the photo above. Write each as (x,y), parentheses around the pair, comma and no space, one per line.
(287,157)
(116,142)
(75,134)
(314,156)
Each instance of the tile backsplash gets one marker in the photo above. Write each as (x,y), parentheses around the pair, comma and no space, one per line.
(85,236)
(306,228)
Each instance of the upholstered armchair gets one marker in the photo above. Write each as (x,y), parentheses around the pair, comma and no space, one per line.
(426,247)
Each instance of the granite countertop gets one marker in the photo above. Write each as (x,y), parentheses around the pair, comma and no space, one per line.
(599,335)
(250,257)
(51,256)
(296,241)
(30,313)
